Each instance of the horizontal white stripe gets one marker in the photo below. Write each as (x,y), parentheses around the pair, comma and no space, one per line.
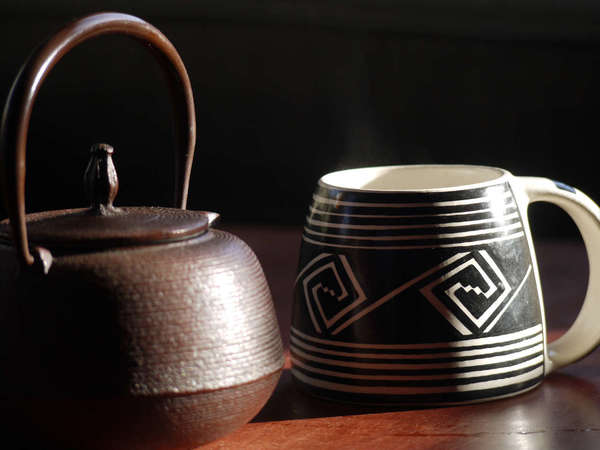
(444,376)
(413,390)
(415,247)
(409,227)
(425,365)
(415,237)
(468,201)
(489,340)
(399,356)
(410,216)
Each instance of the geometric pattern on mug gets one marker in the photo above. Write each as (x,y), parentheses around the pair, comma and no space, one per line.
(330,288)
(476,287)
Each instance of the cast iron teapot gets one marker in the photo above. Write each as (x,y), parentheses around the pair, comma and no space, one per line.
(126,327)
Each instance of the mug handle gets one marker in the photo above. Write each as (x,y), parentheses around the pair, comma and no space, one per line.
(584,334)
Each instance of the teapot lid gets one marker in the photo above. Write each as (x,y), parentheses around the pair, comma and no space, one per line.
(103,225)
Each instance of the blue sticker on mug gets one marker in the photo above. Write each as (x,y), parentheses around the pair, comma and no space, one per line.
(564,187)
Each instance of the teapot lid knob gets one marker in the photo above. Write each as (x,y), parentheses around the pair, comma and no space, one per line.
(103,226)
(100,180)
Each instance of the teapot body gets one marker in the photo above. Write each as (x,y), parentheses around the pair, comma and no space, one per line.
(125,327)
(179,340)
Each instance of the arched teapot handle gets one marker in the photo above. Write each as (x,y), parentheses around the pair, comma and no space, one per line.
(19,105)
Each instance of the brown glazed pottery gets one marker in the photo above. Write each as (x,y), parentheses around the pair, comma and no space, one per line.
(126,328)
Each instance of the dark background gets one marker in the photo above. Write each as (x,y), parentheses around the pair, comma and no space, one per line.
(289,90)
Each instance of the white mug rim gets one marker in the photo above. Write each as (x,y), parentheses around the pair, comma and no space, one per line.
(500,176)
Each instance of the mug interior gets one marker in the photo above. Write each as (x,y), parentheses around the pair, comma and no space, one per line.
(417,177)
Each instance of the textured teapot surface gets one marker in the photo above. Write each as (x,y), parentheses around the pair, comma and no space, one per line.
(126,327)
(165,319)
(117,325)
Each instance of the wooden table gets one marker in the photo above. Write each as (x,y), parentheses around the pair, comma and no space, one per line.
(562,413)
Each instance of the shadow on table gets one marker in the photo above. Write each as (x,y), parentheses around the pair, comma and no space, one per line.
(567,403)
(558,393)
(289,401)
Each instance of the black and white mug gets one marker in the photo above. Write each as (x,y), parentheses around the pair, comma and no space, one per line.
(419,284)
